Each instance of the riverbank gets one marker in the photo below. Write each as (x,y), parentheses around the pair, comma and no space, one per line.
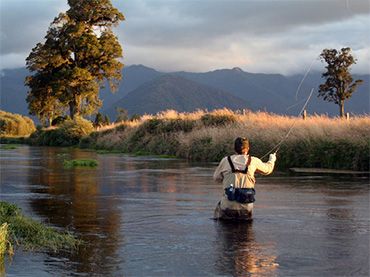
(16,230)
(317,142)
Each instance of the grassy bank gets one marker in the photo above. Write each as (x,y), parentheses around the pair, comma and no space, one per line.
(18,230)
(318,141)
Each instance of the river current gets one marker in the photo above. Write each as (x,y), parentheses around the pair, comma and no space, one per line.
(144,216)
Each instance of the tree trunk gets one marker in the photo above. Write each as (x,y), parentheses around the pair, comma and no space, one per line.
(72,109)
(341,108)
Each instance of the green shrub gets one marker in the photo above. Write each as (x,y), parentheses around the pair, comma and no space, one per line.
(80,163)
(218,119)
(67,134)
(204,149)
(8,147)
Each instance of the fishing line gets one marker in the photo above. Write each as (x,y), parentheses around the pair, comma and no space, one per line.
(277,146)
(304,77)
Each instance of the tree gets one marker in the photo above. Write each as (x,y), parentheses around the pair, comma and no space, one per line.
(99,120)
(122,114)
(106,120)
(339,84)
(79,55)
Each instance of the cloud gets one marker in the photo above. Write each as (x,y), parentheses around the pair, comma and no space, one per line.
(281,36)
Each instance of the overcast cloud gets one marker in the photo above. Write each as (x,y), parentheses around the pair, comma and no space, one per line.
(271,36)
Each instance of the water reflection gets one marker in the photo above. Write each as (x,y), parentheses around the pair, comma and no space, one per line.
(76,201)
(240,253)
(144,216)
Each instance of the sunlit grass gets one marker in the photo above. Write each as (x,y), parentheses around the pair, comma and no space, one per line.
(317,141)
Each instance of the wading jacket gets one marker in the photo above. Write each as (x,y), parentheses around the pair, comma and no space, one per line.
(240,180)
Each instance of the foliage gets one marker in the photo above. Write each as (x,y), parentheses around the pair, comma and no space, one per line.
(122,114)
(339,84)
(318,141)
(68,133)
(59,120)
(15,124)
(80,163)
(5,245)
(8,147)
(101,120)
(30,234)
(79,53)
(210,119)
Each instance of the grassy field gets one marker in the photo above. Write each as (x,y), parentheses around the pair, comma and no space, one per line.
(318,141)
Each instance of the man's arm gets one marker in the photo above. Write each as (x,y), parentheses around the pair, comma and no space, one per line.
(265,168)
(218,175)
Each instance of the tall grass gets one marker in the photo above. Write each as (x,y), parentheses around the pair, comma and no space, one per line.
(318,141)
(15,124)
(19,230)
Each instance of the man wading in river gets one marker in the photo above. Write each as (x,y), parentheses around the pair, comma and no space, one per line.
(236,173)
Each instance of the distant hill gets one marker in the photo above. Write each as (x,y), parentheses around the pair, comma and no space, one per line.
(277,93)
(13,91)
(271,92)
(170,91)
(132,77)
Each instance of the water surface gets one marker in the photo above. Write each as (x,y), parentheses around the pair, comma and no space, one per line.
(142,216)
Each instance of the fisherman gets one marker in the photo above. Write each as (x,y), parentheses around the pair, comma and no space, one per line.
(236,173)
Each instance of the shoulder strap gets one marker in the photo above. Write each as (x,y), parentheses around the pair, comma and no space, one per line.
(231,164)
(233,170)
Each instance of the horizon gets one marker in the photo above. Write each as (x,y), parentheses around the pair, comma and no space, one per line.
(272,37)
(310,72)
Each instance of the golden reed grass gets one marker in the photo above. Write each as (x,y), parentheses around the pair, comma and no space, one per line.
(264,130)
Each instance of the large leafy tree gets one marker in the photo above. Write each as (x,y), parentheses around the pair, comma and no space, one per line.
(79,56)
(339,84)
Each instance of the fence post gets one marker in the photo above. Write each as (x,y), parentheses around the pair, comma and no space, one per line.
(347,116)
(304,114)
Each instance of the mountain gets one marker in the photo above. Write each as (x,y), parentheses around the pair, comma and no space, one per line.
(271,92)
(170,91)
(132,77)
(13,92)
(277,93)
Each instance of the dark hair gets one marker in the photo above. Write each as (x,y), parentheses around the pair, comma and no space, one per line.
(240,145)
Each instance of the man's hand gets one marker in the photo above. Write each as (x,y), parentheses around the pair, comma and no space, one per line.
(272,157)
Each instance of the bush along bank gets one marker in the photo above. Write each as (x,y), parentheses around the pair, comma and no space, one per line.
(15,125)
(67,133)
(318,141)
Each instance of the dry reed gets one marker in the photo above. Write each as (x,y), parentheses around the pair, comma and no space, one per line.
(209,135)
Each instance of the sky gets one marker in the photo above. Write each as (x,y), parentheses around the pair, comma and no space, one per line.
(259,36)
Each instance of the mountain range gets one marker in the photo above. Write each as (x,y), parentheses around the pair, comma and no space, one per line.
(146,90)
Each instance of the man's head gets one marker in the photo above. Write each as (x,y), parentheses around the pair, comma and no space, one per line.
(241,146)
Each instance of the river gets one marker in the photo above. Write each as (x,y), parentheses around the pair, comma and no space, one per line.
(144,216)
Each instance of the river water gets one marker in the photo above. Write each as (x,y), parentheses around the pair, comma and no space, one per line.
(142,216)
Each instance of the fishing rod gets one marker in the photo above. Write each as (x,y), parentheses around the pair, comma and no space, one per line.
(276,148)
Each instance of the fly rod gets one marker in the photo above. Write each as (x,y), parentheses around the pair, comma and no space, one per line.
(277,146)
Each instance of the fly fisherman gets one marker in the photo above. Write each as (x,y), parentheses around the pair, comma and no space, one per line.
(236,173)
